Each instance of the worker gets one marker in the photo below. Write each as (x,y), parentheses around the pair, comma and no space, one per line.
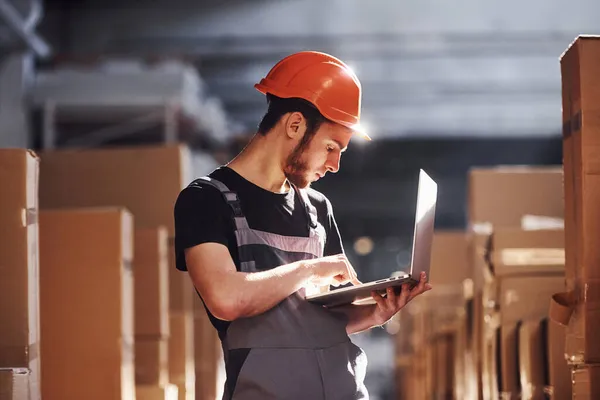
(256,239)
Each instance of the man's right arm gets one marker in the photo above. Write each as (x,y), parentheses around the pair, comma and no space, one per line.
(230,294)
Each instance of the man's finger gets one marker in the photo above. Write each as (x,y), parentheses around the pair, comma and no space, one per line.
(404,295)
(391,295)
(378,299)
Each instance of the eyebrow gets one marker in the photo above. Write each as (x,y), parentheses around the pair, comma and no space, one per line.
(340,145)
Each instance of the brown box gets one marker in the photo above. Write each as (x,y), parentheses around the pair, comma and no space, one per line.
(558,370)
(151,275)
(151,361)
(181,354)
(499,363)
(14,384)
(512,299)
(19,264)
(523,270)
(581,161)
(586,382)
(502,196)
(513,251)
(478,244)
(153,392)
(87,315)
(144,179)
(181,289)
(543,369)
(444,365)
(449,258)
(531,359)
(507,301)
(209,362)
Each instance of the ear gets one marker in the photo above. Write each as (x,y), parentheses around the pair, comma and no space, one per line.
(295,125)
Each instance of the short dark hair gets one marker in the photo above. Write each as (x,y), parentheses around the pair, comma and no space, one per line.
(278,107)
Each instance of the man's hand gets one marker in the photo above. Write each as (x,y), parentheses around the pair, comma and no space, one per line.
(388,307)
(332,270)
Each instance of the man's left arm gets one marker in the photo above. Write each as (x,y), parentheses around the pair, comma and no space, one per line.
(364,317)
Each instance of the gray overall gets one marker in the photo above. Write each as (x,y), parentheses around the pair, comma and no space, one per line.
(296,350)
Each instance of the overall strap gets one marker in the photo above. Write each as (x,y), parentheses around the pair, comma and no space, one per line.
(230,197)
(309,209)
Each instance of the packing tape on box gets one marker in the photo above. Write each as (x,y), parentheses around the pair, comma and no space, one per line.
(533,256)
(30,352)
(29,216)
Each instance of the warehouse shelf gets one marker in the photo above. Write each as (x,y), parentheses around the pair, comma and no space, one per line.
(118,99)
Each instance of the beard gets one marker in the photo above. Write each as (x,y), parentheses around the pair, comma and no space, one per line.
(296,168)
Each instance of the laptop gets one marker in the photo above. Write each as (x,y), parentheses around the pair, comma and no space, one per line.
(420,260)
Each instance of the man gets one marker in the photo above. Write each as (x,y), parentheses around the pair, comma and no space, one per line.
(255,239)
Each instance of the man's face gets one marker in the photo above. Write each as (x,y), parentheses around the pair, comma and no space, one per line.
(311,160)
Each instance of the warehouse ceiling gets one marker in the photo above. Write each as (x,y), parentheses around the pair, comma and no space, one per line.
(471,69)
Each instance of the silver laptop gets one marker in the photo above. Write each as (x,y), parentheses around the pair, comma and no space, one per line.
(420,260)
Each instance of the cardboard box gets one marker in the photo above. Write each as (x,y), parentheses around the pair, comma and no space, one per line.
(151,275)
(19,264)
(209,362)
(181,288)
(150,392)
(523,270)
(144,179)
(499,363)
(181,354)
(532,357)
(512,299)
(459,351)
(559,381)
(87,305)
(543,370)
(449,258)
(586,382)
(581,161)
(152,361)
(14,384)
(478,244)
(444,365)
(512,251)
(501,196)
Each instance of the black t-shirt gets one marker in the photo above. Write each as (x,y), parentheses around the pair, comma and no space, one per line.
(202,216)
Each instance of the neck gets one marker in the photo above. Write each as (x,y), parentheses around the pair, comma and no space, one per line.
(260,163)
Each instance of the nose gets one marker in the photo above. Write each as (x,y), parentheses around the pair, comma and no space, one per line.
(333,163)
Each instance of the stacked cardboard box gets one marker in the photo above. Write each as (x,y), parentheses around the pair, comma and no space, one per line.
(181,341)
(15,384)
(523,270)
(87,304)
(543,371)
(497,277)
(581,161)
(505,256)
(209,362)
(426,330)
(146,180)
(19,275)
(151,309)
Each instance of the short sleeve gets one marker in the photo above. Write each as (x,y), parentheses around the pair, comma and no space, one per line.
(201,216)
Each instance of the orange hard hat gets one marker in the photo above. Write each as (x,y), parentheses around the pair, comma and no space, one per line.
(321,79)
